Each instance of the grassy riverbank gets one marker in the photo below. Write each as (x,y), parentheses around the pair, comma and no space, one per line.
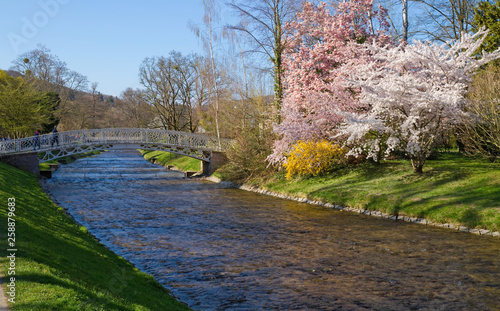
(59,266)
(453,189)
(182,163)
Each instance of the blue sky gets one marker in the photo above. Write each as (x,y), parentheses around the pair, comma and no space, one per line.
(105,40)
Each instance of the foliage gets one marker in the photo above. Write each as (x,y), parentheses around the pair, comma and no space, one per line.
(22,108)
(50,75)
(480,132)
(415,92)
(246,122)
(488,15)
(312,158)
(247,156)
(320,45)
(50,102)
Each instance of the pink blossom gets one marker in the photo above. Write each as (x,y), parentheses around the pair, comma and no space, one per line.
(322,48)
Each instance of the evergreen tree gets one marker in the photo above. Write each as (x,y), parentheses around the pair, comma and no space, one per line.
(488,15)
(22,108)
(49,104)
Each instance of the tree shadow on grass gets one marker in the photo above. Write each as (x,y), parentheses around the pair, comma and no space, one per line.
(469,199)
(90,302)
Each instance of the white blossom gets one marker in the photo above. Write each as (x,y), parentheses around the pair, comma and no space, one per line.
(414,92)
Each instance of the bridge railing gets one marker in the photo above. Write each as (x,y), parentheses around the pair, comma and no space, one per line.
(113,136)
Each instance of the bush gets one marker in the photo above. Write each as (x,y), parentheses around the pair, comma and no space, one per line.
(247,155)
(312,158)
(480,133)
(248,123)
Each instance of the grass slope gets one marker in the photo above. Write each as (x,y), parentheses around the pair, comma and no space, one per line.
(182,163)
(59,266)
(453,189)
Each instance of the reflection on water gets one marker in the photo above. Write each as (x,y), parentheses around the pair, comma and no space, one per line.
(225,249)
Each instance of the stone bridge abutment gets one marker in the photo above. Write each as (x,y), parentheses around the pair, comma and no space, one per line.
(217,159)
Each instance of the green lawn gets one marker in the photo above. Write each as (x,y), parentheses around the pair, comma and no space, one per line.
(182,163)
(453,189)
(59,266)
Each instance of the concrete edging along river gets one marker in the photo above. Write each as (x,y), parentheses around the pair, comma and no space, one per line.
(415,220)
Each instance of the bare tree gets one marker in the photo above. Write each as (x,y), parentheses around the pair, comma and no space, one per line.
(437,20)
(136,112)
(202,90)
(208,36)
(157,75)
(263,21)
(188,76)
(50,73)
(446,19)
(76,115)
(170,88)
(95,96)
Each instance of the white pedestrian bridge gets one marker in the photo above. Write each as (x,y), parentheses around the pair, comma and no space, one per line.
(53,146)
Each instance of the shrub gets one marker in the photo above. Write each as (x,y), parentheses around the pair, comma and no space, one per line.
(247,156)
(480,133)
(312,158)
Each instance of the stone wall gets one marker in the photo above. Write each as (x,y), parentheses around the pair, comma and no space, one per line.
(27,162)
(216,160)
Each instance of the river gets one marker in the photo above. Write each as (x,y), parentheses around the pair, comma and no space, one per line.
(218,248)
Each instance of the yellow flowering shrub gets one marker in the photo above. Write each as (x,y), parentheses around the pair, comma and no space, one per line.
(312,158)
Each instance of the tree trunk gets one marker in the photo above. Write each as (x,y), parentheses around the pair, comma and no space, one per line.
(418,164)
(278,66)
(278,86)
(405,19)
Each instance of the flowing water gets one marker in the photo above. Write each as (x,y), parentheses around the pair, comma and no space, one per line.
(217,248)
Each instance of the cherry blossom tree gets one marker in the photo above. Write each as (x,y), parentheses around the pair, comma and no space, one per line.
(414,93)
(320,44)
